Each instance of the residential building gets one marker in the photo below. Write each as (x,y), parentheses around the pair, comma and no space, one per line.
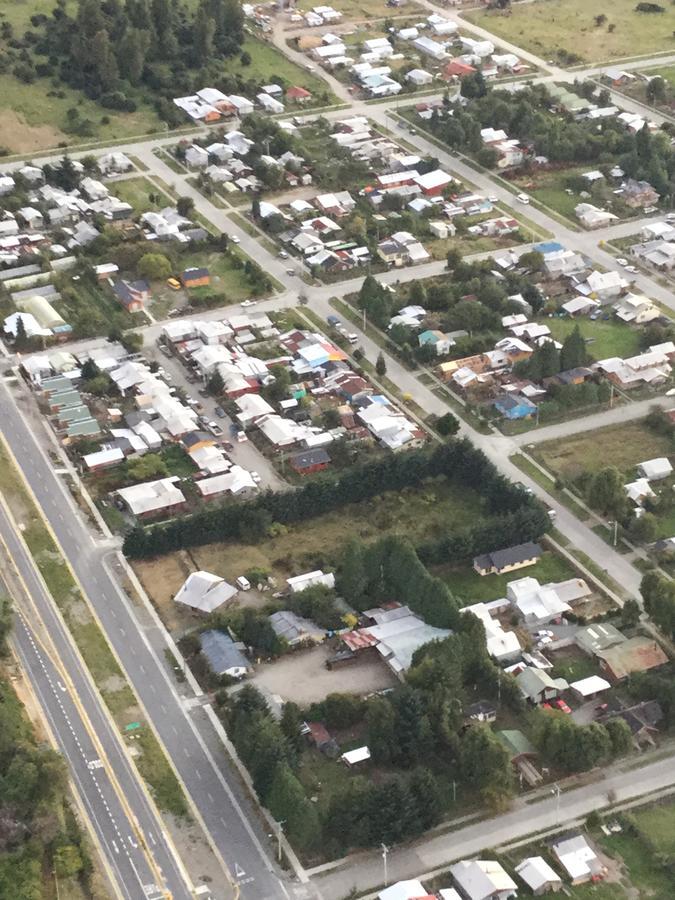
(441,342)
(132,295)
(309,461)
(300,583)
(540,604)
(223,655)
(638,654)
(636,309)
(539,876)
(481,711)
(515,407)
(205,592)
(537,686)
(404,890)
(578,859)
(522,754)
(593,639)
(482,879)
(196,277)
(295,629)
(655,469)
(592,217)
(508,560)
(152,498)
(503,646)
(638,194)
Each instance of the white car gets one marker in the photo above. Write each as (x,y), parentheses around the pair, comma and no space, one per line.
(493,199)
(632,270)
(523,198)
(622,262)
(670,217)
(246,303)
(256,477)
(235,239)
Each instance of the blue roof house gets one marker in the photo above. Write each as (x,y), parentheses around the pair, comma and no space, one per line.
(515,407)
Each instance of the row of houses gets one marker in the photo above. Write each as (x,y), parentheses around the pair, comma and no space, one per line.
(210,105)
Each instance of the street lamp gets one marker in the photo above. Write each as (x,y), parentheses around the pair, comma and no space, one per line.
(615,524)
(556,790)
(385,851)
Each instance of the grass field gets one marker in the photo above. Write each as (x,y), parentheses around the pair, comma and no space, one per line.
(603,339)
(623,446)
(470,587)
(317,543)
(268,62)
(546,27)
(137,191)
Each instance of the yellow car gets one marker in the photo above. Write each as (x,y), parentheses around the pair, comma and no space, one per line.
(174,284)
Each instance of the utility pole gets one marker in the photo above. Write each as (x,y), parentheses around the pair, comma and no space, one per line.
(385,851)
(611,394)
(280,831)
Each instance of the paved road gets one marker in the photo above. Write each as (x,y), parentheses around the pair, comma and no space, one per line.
(124,821)
(365,873)
(227,813)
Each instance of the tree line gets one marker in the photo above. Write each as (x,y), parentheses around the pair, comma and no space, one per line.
(458,460)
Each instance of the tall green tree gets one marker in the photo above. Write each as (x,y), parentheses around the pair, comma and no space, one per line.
(573,353)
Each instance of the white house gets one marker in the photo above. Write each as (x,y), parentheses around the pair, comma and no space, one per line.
(299,583)
(578,859)
(636,308)
(205,592)
(419,77)
(196,157)
(539,876)
(655,469)
(483,879)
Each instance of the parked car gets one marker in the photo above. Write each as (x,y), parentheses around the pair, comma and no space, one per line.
(165,351)
(246,303)
(241,437)
(283,254)
(215,429)
(243,583)
(632,269)
(622,262)
(523,198)
(235,239)
(291,272)
(560,704)
(220,412)
(204,420)
(256,477)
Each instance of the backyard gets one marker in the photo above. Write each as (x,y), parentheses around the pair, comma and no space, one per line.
(603,338)
(137,192)
(468,586)
(565,29)
(623,446)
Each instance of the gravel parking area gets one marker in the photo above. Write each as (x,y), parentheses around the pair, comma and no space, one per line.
(304,678)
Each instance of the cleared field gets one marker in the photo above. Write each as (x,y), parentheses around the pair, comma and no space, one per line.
(268,62)
(547,28)
(623,446)
(316,543)
(603,339)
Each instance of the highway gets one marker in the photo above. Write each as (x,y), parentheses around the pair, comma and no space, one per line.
(136,852)
(225,809)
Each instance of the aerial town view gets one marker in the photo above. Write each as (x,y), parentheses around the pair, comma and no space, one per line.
(337,450)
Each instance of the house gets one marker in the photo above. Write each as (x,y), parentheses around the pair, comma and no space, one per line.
(205,592)
(508,559)
(252,407)
(592,639)
(642,720)
(427,47)
(638,654)
(404,890)
(223,655)
(114,163)
(151,498)
(604,285)
(310,461)
(655,469)
(236,481)
(537,686)
(590,687)
(102,459)
(298,94)
(515,407)
(638,491)
(419,77)
(196,157)
(503,646)
(540,604)
(482,879)
(432,184)
(592,217)
(481,711)
(295,629)
(440,342)
(638,194)
(132,295)
(636,309)
(522,754)
(196,277)
(578,859)
(300,583)
(539,876)
(456,68)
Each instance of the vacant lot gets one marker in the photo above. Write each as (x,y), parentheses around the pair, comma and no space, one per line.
(419,514)
(303,677)
(470,587)
(623,446)
(547,27)
(603,338)
(267,62)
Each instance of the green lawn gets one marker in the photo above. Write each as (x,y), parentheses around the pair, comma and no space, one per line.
(604,338)
(547,27)
(550,188)
(623,446)
(659,823)
(137,191)
(468,585)
(644,872)
(225,278)
(267,62)
(31,119)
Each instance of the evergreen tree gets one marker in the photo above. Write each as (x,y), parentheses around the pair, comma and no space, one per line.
(573,353)
(288,803)
(380,365)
